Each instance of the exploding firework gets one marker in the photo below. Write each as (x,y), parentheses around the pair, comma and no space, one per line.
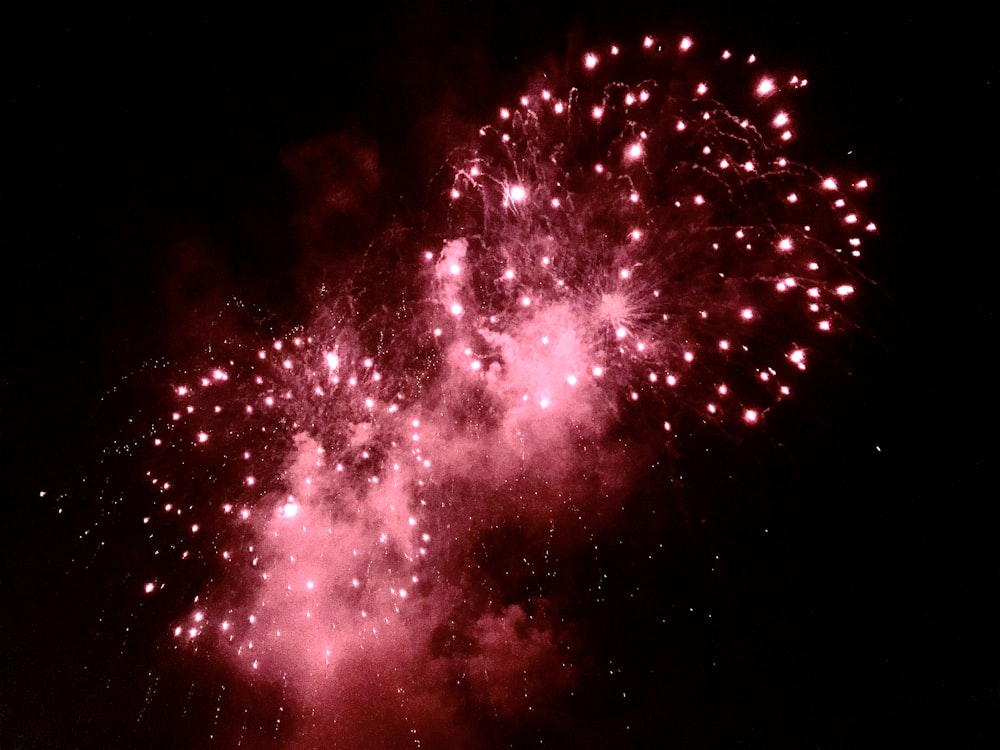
(609,268)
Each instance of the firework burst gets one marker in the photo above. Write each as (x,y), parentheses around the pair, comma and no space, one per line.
(608,267)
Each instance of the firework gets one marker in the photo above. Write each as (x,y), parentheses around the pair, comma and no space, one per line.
(610,267)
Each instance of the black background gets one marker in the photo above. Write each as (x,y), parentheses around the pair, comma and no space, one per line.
(142,184)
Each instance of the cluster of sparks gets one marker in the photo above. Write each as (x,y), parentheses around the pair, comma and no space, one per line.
(610,260)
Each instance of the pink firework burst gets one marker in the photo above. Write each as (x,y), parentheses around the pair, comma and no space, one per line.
(608,267)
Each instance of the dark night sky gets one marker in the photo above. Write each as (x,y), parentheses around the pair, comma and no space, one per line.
(143,183)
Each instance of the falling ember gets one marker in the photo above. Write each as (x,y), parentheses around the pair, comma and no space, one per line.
(607,270)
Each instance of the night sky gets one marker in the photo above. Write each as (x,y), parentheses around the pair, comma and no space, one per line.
(826,579)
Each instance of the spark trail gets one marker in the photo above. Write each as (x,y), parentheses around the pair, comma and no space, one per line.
(609,268)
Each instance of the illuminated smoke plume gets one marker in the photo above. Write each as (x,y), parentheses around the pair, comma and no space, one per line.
(609,268)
